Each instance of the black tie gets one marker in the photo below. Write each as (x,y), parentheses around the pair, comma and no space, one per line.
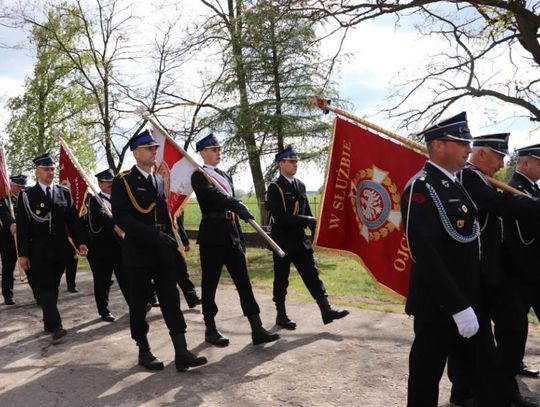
(48,193)
(151,181)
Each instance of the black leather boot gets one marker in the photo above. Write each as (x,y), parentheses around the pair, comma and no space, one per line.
(258,333)
(183,358)
(192,299)
(212,335)
(282,319)
(146,357)
(328,313)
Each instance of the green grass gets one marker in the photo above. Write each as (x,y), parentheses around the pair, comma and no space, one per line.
(345,281)
(192,213)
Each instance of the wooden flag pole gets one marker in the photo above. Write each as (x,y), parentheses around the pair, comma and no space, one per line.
(324,105)
(20,271)
(255,225)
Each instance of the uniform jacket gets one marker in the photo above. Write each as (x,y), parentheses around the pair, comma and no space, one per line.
(522,237)
(290,213)
(46,239)
(5,214)
(493,206)
(102,239)
(141,217)
(218,226)
(445,274)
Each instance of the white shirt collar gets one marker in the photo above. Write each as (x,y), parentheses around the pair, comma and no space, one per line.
(105,194)
(44,187)
(444,171)
(291,180)
(212,167)
(146,174)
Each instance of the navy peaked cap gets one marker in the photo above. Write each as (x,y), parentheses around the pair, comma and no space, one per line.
(455,127)
(533,151)
(106,175)
(45,160)
(497,142)
(287,154)
(18,179)
(207,142)
(143,139)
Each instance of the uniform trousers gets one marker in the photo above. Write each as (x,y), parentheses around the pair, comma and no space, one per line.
(46,275)
(434,341)
(8,255)
(102,269)
(213,258)
(304,262)
(163,274)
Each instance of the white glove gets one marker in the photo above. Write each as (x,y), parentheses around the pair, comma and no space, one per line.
(467,323)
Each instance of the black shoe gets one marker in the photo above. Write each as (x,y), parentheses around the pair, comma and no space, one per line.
(9,301)
(462,403)
(58,333)
(72,290)
(148,360)
(258,333)
(518,400)
(193,301)
(148,308)
(527,371)
(215,338)
(108,317)
(328,313)
(183,358)
(282,319)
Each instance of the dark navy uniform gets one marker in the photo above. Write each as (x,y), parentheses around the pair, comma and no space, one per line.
(502,301)
(8,252)
(183,280)
(149,251)
(443,234)
(221,244)
(104,254)
(42,237)
(290,216)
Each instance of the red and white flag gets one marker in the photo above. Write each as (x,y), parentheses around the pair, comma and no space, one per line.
(360,212)
(4,179)
(70,177)
(176,169)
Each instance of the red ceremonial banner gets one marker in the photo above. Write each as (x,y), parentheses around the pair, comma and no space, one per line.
(4,180)
(360,212)
(176,169)
(70,177)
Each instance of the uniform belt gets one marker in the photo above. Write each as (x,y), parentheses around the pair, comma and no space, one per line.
(218,215)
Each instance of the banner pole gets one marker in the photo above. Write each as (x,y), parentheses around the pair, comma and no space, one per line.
(323,105)
(147,116)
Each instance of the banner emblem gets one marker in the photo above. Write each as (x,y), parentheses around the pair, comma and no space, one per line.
(375,200)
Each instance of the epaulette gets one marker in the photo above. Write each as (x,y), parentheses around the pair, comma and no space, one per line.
(419,176)
(124,173)
(63,186)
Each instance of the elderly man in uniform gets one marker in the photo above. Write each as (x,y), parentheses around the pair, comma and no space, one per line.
(290,216)
(105,254)
(443,234)
(522,240)
(149,252)
(222,243)
(8,252)
(45,213)
(502,302)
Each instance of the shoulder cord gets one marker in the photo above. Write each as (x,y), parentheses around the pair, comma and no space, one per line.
(521,236)
(94,231)
(134,201)
(296,204)
(454,234)
(408,217)
(31,214)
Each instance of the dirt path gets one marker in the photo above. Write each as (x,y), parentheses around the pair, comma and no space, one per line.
(360,361)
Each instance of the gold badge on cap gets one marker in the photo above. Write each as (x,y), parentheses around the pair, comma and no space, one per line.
(460,223)
(464,208)
(42,205)
(38,211)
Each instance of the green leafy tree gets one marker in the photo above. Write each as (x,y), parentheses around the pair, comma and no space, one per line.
(52,100)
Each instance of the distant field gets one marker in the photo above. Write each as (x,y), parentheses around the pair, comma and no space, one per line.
(192,213)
